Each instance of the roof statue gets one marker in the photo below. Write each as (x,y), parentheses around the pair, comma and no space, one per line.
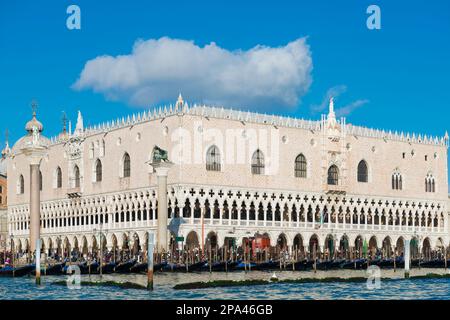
(332,124)
(79,128)
(180,103)
(6,151)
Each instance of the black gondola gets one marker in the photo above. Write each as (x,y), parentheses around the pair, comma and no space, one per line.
(303,265)
(52,270)
(55,270)
(415,263)
(139,268)
(241,266)
(159,266)
(174,267)
(124,267)
(215,267)
(93,268)
(82,266)
(324,265)
(356,264)
(269,265)
(195,267)
(143,267)
(386,263)
(435,263)
(108,268)
(9,271)
(329,265)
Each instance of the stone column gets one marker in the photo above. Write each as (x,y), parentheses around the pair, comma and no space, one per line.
(162,170)
(35,209)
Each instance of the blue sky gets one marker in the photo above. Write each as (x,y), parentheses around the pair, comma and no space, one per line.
(398,76)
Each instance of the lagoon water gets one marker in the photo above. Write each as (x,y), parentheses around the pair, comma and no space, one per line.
(24,288)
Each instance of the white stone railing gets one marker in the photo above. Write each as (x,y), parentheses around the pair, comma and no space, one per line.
(292,225)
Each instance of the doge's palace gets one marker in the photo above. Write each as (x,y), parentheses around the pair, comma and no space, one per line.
(235,175)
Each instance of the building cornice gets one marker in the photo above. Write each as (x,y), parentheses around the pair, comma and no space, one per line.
(250,117)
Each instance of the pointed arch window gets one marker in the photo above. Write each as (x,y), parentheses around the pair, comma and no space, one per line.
(102,148)
(98,171)
(258,162)
(76,174)
(213,159)
(397,181)
(300,166)
(333,175)
(430,184)
(58,178)
(40,180)
(91,150)
(126,166)
(363,174)
(21,185)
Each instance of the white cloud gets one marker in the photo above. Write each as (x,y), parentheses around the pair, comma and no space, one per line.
(158,69)
(349,108)
(335,92)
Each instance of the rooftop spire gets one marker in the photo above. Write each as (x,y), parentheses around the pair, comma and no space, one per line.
(64,122)
(34,123)
(180,102)
(331,113)
(79,128)
(34,106)
(6,150)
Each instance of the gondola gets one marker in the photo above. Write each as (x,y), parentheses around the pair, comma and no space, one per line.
(55,270)
(269,265)
(52,270)
(324,265)
(9,271)
(139,268)
(356,264)
(174,267)
(244,266)
(159,266)
(93,268)
(82,266)
(198,266)
(336,264)
(372,262)
(400,262)
(215,266)
(302,265)
(143,267)
(124,267)
(415,263)
(108,267)
(329,265)
(435,263)
(386,263)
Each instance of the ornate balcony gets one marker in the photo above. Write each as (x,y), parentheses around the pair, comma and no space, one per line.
(74,193)
(335,189)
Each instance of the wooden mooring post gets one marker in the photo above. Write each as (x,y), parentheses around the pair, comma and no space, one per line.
(38,261)
(150,248)
(407,258)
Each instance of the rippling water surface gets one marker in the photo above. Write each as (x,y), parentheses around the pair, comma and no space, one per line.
(24,288)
